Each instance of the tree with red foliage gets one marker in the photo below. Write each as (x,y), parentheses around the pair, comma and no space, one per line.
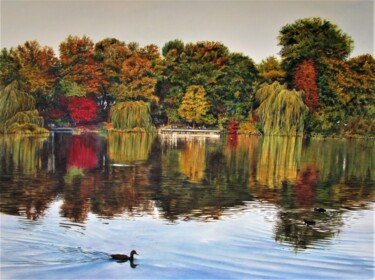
(233,127)
(305,79)
(82,109)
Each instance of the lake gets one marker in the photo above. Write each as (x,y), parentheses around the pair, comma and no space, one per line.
(227,207)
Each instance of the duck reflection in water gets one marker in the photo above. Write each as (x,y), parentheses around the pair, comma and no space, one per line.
(124,258)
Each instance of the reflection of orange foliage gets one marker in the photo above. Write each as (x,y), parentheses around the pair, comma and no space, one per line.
(304,189)
(193,160)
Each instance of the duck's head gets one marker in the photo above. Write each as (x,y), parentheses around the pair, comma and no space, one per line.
(133,252)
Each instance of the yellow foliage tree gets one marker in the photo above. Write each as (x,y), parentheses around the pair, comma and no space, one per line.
(194,105)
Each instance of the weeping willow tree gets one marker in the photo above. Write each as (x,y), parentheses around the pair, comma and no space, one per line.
(132,116)
(281,111)
(17,111)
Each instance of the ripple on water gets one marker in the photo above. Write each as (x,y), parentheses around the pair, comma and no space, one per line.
(240,245)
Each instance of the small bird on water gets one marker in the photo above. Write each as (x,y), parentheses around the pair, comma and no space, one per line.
(320,210)
(122,257)
(309,223)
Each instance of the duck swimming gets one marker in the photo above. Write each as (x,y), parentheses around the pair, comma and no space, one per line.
(124,257)
(309,223)
(320,210)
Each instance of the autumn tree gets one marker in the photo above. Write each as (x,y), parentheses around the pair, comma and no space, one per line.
(79,66)
(305,79)
(270,70)
(191,64)
(81,75)
(34,68)
(82,109)
(110,53)
(311,38)
(136,78)
(348,93)
(227,77)
(134,94)
(194,106)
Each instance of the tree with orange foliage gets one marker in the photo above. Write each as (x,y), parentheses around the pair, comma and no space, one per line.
(305,79)
(137,77)
(81,74)
(79,66)
(36,71)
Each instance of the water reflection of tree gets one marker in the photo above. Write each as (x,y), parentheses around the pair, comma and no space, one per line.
(290,229)
(21,153)
(129,147)
(304,189)
(191,180)
(334,174)
(192,160)
(189,190)
(340,160)
(124,193)
(107,190)
(26,189)
(279,160)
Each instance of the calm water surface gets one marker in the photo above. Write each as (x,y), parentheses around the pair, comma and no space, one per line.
(231,207)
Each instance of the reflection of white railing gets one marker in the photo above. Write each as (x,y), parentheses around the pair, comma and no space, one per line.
(198,132)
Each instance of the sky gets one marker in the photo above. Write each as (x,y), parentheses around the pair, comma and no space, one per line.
(248,26)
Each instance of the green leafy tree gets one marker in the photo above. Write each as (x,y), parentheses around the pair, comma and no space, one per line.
(311,38)
(234,87)
(9,68)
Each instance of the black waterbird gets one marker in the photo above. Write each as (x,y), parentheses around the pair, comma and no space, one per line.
(320,210)
(122,257)
(309,223)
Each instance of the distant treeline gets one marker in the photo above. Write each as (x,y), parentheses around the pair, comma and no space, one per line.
(314,89)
